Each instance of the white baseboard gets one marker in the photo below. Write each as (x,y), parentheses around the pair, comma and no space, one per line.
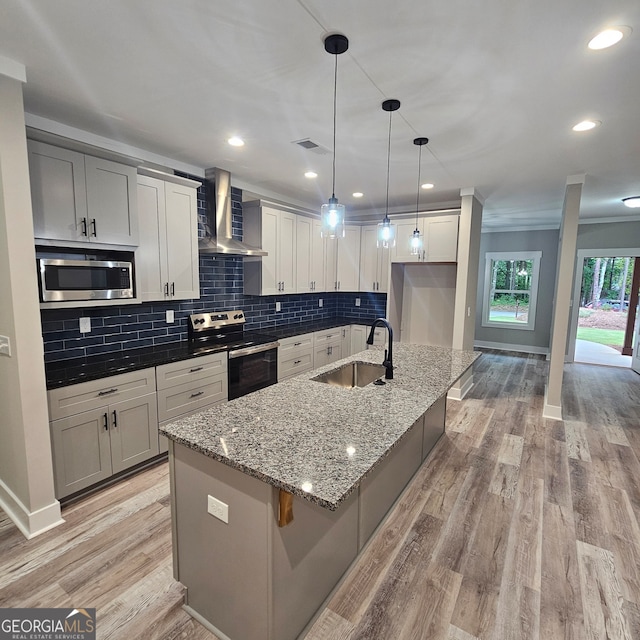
(503,346)
(551,411)
(458,393)
(30,523)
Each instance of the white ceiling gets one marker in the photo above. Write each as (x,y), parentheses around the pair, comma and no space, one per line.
(495,85)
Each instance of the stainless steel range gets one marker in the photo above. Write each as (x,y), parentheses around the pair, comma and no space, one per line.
(253,356)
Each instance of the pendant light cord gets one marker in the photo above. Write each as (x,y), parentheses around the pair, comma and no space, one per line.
(388,164)
(418,190)
(335,91)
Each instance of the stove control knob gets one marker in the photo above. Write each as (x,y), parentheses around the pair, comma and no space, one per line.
(238,316)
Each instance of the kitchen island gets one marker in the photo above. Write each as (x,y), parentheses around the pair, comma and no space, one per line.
(335,458)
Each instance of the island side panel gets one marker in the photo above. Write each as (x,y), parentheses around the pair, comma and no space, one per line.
(434,423)
(225,567)
(309,557)
(380,489)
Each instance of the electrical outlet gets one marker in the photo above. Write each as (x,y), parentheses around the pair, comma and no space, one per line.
(218,509)
(171,316)
(320,302)
(85,325)
(357,302)
(278,306)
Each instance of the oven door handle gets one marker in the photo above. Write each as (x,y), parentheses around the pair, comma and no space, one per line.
(238,353)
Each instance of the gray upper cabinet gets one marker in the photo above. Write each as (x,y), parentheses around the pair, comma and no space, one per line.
(77,198)
(167,256)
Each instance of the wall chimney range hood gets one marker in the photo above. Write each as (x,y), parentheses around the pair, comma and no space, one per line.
(218,229)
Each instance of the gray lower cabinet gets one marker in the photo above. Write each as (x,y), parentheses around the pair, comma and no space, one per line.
(188,386)
(91,446)
(102,427)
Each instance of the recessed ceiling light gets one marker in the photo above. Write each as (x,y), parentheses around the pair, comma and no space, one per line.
(426,185)
(310,174)
(236,141)
(357,194)
(586,125)
(608,37)
(633,202)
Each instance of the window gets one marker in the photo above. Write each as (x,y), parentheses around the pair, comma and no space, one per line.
(510,289)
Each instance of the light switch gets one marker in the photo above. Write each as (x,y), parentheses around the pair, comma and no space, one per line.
(357,302)
(320,302)
(5,346)
(278,306)
(85,325)
(171,317)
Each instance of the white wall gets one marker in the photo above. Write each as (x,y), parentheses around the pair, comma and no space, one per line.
(26,472)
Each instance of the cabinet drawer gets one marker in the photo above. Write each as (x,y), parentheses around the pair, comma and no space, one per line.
(295,363)
(192,370)
(328,336)
(190,397)
(295,343)
(67,401)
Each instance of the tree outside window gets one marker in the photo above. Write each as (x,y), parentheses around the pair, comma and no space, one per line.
(511,287)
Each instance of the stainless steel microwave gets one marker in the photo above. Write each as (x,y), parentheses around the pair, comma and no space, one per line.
(72,280)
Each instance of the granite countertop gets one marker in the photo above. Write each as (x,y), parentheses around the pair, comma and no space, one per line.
(62,373)
(318,441)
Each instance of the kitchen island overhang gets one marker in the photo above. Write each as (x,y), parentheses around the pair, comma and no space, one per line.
(346,454)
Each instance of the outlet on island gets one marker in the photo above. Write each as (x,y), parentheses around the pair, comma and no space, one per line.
(218,509)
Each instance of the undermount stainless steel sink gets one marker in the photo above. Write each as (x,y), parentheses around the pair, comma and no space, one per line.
(354,374)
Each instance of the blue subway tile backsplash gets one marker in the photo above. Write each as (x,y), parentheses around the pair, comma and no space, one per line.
(117,328)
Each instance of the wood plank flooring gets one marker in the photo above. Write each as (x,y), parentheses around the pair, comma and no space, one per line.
(518,528)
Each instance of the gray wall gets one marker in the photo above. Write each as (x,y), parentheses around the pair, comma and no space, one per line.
(545,241)
(609,235)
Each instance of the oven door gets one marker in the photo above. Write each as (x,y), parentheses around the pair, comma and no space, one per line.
(252,368)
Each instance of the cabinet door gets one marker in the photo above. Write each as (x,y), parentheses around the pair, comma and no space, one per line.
(304,254)
(359,335)
(404,232)
(81,450)
(441,239)
(58,192)
(181,224)
(111,201)
(349,259)
(345,342)
(270,245)
(151,259)
(318,258)
(287,252)
(134,431)
(369,259)
(331,264)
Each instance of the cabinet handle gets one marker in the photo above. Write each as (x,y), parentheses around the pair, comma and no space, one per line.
(283,285)
(297,361)
(106,393)
(195,395)
(329,350)
(344,333)
(297,344)
(338,285)
(335,285)
(195,369)
(166,288)
(95,228)
(106,422)
(84,226)
(173,288)
(115,418)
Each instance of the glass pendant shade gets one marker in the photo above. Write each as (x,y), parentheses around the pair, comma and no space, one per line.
(416,243)
(332,219)
(386,234)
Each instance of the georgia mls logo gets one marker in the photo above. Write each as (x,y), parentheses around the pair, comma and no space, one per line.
(47,624)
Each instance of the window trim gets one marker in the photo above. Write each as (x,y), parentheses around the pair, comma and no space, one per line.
(492,256)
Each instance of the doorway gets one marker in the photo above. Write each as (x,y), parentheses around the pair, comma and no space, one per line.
(602,327)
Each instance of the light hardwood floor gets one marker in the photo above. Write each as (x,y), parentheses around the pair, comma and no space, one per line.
(516,528)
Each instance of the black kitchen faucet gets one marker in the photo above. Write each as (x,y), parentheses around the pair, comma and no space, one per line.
(388,356)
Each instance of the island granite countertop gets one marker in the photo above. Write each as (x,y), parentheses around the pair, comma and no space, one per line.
(319,441)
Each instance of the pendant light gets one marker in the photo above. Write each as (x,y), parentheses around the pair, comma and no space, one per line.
(386,230)
(332,213)
(416,237)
